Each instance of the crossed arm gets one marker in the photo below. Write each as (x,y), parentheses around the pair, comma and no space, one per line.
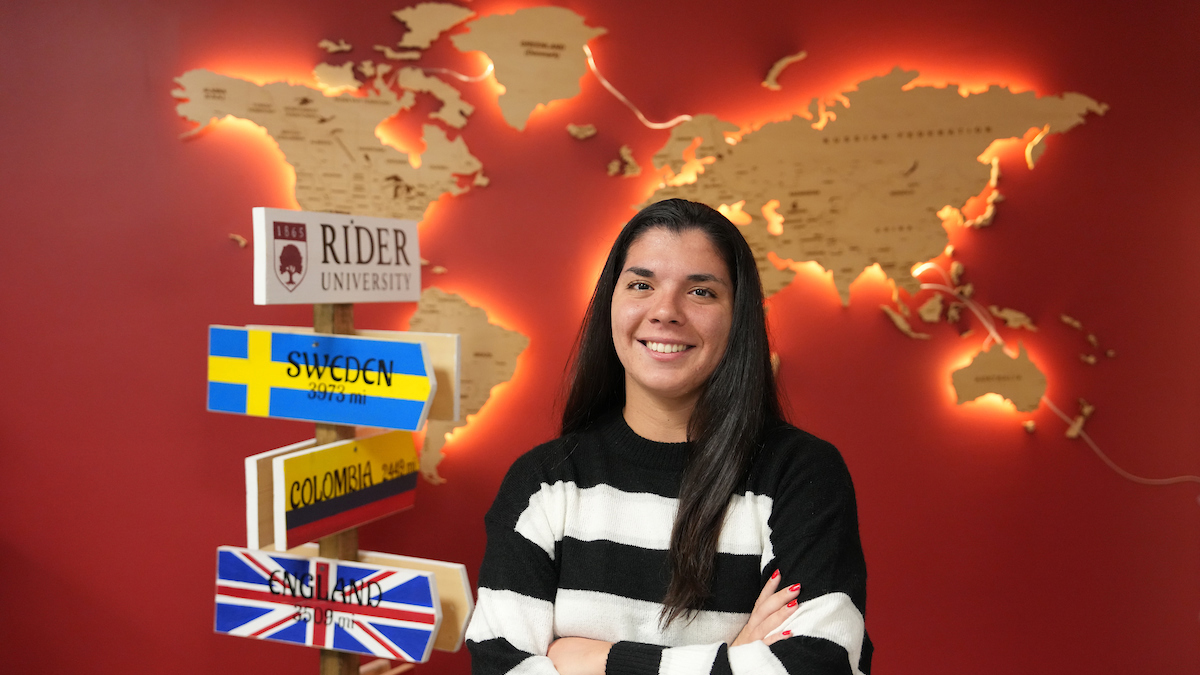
(584,656)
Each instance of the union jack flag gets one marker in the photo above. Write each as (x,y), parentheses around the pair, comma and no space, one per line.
(332,604)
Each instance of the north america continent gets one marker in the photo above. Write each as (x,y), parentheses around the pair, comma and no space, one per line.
(331,142)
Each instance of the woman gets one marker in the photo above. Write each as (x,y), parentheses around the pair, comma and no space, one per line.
(651,536)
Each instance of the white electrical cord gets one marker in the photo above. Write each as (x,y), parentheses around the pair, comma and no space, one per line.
(621,97)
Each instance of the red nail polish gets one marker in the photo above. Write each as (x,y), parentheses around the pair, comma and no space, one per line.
(794,588)
(786,633)
(775,574)
(792,604)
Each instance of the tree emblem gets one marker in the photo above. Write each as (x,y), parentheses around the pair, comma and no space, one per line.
(290,263)
(291,253)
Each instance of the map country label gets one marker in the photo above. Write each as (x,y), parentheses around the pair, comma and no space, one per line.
(322,490)
(338,379)
(363,608)
(303,257)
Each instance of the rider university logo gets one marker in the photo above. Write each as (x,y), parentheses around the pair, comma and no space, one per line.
(291,253)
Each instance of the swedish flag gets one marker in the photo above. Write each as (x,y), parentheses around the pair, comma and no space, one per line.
(320,378)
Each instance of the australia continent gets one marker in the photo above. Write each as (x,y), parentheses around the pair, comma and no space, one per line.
(994,372)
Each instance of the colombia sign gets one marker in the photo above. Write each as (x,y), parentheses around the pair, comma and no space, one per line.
(320,602)
(323,490)
(337,379)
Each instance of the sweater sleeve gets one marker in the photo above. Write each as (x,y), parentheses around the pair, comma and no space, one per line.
(814,542)
(513,623)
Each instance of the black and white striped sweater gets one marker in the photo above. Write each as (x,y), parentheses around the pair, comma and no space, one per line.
(576,546)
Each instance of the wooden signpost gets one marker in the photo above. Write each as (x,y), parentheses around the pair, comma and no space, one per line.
(383,605)
(348,607)
(336,319)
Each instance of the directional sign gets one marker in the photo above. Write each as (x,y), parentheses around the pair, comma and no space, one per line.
(454,590)
(338,379)
(333,604)
(445,353)
(303,257)
(329,488)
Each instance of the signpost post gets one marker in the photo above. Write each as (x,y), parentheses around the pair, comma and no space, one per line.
(336,319)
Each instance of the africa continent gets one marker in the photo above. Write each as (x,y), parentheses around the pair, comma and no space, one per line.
(862,184)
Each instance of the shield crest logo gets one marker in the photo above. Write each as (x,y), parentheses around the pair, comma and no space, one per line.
(291,253)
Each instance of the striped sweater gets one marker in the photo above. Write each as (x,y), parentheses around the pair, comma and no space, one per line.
(577,541)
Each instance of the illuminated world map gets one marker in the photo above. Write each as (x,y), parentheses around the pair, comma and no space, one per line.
(869,180)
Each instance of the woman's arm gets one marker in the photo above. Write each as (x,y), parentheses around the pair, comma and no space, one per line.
(513,623)
(583,656)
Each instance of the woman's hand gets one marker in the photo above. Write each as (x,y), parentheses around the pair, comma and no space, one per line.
(579,656)
(770,609)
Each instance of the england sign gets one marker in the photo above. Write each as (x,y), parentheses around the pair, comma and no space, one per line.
(454,590)
(329,488)
(338,379)
(347,606)
(303,257)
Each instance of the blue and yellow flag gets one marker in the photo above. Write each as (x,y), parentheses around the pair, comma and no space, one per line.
(321,378)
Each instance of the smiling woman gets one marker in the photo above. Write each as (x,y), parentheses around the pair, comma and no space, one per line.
(654,534)
(671,312)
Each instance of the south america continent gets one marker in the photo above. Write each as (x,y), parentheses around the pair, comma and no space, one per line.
(489,357)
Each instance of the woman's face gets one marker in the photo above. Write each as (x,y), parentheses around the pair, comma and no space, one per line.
(671,313)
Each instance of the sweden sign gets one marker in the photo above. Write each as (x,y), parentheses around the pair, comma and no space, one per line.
(336,379)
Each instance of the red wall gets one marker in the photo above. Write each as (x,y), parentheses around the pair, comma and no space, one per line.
(989,549)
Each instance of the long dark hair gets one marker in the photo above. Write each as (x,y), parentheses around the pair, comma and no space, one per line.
(737,403)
